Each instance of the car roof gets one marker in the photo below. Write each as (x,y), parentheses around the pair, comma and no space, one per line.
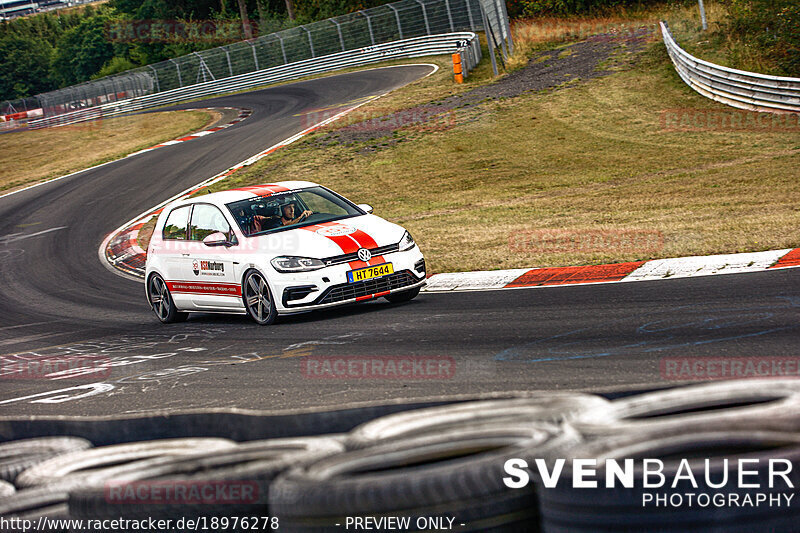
(243,193)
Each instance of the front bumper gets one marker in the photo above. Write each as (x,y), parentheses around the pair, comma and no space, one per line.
(327,287)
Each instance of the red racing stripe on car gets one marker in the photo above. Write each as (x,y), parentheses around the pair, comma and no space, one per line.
(371,296)
(204,287)
(345,242)
(366,241)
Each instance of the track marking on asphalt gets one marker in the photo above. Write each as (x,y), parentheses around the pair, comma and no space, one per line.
(13,237)
(30,338)
(25,325)
(92,389)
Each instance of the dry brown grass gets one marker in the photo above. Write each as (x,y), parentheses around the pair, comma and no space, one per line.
(585,158)
(30,156)
(543,32)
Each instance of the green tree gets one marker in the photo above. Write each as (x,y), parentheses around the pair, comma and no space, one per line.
(82,51)
(24,67)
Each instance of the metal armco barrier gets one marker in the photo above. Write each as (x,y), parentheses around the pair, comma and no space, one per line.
(736,88)
(466,44)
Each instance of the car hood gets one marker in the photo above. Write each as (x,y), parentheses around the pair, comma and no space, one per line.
(331,238)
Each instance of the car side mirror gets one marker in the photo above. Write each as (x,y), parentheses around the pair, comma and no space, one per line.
(365,207)
(216,239)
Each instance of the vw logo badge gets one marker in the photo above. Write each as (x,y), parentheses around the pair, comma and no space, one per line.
(364,254)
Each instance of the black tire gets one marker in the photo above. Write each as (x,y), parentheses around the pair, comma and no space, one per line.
(456,474)
(404,296)
(28,500)
(161,301)
(18,455)
(248,466)
(769,405)
(545,407)
(257,298)
(6,489)
(97,464)
(617,509)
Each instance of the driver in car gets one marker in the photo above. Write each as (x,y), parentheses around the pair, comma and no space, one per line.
(254,224)
(288,218)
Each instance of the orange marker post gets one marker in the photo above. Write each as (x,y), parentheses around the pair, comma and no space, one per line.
(457,68)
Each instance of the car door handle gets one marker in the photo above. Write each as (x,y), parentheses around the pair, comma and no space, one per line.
(185,255)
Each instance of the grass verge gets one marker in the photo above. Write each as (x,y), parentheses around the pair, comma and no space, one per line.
(589,158)
(28,157)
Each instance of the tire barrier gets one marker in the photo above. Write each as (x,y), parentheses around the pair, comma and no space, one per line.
(722,405)
(598,510)
(457,474)
(17,456)
(545,407)
(439,463)
(254,463)
(6,489)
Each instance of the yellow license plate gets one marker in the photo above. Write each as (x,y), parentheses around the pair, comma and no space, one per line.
(363,274)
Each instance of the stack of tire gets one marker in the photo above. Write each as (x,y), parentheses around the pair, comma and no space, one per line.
(700,434)
(443,467)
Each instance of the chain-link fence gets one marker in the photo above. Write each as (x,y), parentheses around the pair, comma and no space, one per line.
(390,22)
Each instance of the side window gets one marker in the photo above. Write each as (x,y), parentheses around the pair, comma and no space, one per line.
(207,219)
(175,227)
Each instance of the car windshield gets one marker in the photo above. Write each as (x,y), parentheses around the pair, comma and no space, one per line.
(293,209)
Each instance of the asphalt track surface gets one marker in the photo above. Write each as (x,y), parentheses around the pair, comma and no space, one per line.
(59,300)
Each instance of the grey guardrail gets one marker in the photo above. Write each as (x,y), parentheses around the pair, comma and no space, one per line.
(464,43)
(737,88)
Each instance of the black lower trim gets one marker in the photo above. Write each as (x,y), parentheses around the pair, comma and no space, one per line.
(296,293)
(350,291)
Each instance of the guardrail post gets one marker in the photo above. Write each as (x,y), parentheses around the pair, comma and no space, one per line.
(703,15)
(310,41)
(369,27)
(397,16)
(508,26)
(500,28)
(449,15)
(283,48)
(424,16)
(178,70)
(339,30)
(469,13)
(228,57)
(488,31)
(155,73)
(255,55)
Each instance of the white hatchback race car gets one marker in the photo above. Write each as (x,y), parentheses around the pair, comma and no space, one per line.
(276,249)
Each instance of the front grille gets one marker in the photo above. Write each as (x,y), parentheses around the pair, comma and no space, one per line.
(346,258)
(348,291)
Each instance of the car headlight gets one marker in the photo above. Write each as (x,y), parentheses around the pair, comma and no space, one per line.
(296,264)
(407,242)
